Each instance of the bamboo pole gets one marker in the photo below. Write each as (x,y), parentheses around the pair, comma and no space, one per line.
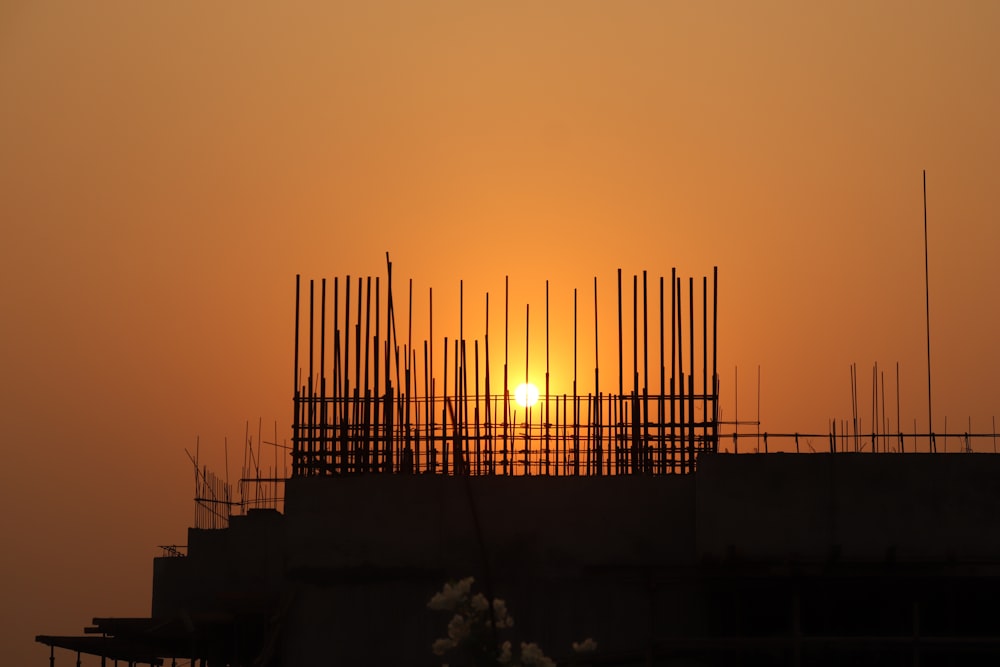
(899,424)
(347,346)
(673,369)
(682,445)
(634,463)
(323,434)
(296,400)
(506,361)
(366,455)
(476,412)
(645,457)
(376,376)
(357,342)
(527,410)
(927,297)
(576,399)
(704,357)
(691,399)
(661,411)
(444,412)
(715,357)
(487,390)
(431,408)
(428,411)
(310,391)
(547,418)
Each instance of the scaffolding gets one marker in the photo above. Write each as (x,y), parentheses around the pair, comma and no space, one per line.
(383,412)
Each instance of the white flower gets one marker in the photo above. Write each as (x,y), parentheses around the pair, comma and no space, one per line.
(465,585)
(458,628)
(451,595)
(505,655)
(442,646)
(441,602)
(531,654)
(503,619)
(586,646)
(479,602)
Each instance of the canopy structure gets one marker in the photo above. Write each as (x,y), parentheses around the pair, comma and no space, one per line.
(148,641)
(124,648)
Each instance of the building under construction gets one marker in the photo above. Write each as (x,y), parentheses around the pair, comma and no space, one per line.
(596,513)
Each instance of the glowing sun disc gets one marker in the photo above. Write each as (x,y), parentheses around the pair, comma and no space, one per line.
(526,395)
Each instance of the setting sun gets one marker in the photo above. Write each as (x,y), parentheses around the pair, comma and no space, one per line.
(526,395)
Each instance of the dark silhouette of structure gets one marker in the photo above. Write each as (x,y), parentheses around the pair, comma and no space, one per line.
(604,515)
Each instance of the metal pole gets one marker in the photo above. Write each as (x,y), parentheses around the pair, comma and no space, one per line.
(927,299)
(322,371)
(486,388)
(312,405)
(506,360)
(295,384)
(715,356)
(547,418)
(593,408)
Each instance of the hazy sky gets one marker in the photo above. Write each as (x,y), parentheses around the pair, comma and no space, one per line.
(167,168)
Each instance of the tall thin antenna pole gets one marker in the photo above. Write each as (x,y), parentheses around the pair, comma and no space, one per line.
(736,409)
(899,424)
(927,297)
(758,408)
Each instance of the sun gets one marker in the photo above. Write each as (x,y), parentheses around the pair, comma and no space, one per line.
(526,394)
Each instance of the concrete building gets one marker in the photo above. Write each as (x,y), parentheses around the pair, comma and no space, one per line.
(603,515)
(812,559)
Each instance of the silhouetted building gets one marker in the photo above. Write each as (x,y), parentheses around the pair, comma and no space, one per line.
(610,516)
(809,559)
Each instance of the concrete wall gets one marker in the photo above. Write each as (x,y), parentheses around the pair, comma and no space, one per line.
(356,558)
(573,557)
(387,622)
(540,523)
(781,507)
(223,567)
(855,507)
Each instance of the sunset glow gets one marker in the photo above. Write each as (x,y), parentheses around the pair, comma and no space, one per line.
(167,169)
(526,395)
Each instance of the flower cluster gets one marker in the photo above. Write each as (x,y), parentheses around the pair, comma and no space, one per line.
(471,630)
(451,596)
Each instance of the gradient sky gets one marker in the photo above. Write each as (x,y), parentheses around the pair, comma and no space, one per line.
(167,168)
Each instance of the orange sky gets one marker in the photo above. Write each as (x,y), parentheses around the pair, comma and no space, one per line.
(167,168)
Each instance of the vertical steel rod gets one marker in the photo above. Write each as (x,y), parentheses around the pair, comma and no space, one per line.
(927,299)
(296,453)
